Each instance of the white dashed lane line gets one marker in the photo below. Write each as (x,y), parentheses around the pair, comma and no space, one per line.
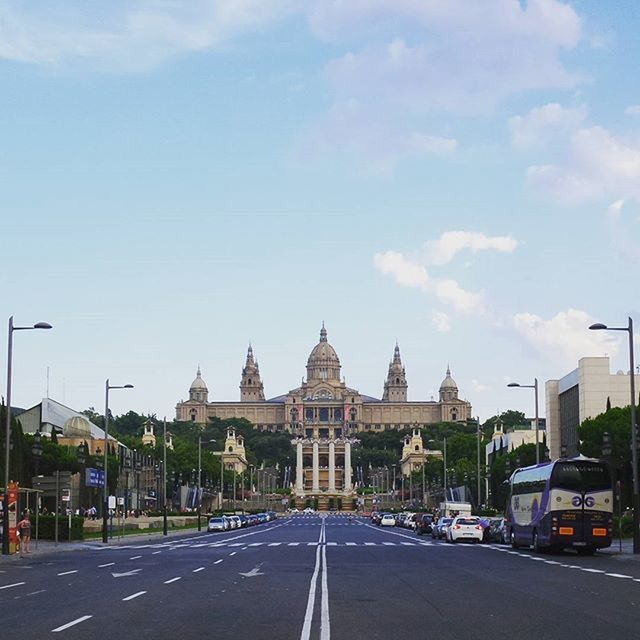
(218,561)
(233,553)
(133,595)
(172,580)
(68,573)
(109,564)
(70,624)
(9,586)
(135,557)
(198,569)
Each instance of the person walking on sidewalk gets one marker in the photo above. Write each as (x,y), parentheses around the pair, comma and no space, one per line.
(24,528)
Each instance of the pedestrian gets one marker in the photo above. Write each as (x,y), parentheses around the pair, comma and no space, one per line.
(24,529)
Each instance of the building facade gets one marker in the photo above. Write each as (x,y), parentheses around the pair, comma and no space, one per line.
(583,393)
(324,401)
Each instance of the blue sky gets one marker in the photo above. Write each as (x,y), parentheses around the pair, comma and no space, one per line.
(179,178)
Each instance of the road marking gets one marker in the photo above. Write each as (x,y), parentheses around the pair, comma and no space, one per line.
(370,544)
(408,544)
(126,574)
(233,553)
(332,544)
(134,595)
(172,580)
(15,584)
(254,572)
(592,570)
(308,616)
(256,544)
(135,557)
(389,544)
(274,544)
(325,628)
(312,544)
(218,561)
(350,544)
(35,593)
(198,569)
(156,553)
(109,564)
(68,573)
(70,624)
(618,575)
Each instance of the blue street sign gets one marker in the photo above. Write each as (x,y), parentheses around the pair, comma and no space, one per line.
(94,477)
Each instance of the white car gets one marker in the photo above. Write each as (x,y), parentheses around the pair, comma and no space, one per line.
(217,524)
(388,520)
(308,510)
(236,523)
(465,528)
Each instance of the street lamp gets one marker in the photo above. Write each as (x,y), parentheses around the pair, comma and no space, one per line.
(5,502)
(634,436)
(200,478)
(533,386)
(105,500)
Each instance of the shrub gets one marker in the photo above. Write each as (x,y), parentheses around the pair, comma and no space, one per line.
(47,528)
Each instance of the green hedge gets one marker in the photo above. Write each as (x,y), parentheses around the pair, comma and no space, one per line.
(47,528)
(626,522)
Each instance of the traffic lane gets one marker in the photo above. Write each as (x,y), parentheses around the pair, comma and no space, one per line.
(458,591)
(269,600)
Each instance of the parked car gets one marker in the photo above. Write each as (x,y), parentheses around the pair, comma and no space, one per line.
(387,520)
(424,523)
(497,531)
(465,528)
(439,531)
(217,524)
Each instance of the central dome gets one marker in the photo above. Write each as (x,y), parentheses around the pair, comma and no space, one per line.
(323,362)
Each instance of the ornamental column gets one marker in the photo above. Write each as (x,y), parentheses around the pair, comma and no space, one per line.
(332,466)
(316,468)
(299,469)
(347,466)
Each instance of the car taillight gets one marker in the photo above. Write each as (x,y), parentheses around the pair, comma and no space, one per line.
(457,526)
(479,526)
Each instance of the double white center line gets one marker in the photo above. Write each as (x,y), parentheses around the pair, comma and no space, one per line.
(321,565)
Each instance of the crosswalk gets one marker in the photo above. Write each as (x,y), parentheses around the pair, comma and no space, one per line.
(268,544)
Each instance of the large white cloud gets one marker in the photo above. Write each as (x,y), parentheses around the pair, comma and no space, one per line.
(125,35)
(597,163)
(544,124)
(564,338)
(450,243)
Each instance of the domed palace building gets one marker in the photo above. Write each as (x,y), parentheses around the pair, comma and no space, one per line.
(324,415)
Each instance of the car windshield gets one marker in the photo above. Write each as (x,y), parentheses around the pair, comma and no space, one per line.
(446,521)
(215,520)
(467,521)
(581,476)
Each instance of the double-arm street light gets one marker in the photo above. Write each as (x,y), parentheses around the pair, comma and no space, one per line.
(634,435)
(7,444)
(199,497)
(533,386)
(105,491)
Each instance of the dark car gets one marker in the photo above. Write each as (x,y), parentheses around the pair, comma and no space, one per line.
(424,523)
(439,530)
(497,531)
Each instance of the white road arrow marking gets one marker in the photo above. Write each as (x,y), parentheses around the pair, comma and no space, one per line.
(254,572)
(133,572)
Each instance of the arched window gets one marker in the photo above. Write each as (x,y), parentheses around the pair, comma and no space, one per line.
(417,447)
(230,449)
(397,380)
(249,380)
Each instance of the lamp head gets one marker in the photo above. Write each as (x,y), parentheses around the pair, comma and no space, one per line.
(513,384)
(598,326)
(42,325)
(128,386)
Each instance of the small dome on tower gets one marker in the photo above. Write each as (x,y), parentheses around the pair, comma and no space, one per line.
(323,362)
(198,384)
(448,382)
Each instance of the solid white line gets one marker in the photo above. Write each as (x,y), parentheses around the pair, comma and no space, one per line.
(109,564)
(15,584)
(618,575)
(218,561)
(133,595)
(308,616)
(593,570)
(198,569)
(172,580)
(135,557)
(70,624)
(325,628)
(67,573)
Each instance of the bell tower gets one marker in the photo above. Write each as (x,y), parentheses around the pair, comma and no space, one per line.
(251,387)
(395,387)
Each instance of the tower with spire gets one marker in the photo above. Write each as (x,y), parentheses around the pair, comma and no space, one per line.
(395,386)
(251,387)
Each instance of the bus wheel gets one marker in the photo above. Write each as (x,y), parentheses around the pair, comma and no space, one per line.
(536,543)
(585,551)
(512,539)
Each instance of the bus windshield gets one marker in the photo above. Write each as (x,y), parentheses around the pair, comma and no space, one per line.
(581,476)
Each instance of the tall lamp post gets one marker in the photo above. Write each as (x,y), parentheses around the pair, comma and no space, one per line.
(634,436)
(199,503)
(7,444)
(533,386)
(105,490)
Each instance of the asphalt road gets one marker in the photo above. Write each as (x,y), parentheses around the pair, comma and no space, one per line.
(312,577)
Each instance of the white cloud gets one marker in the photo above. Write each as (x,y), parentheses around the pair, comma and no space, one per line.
(544,124)
(440,321)
(409,270)
(124,35)
(450,243)
(614,210)
(565,338)
(597,163)
(478,386)
(633,110)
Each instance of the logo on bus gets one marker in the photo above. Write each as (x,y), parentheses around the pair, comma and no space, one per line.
(589,501)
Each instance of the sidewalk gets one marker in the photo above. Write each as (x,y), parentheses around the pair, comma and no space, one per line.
(47,547)
(625,554)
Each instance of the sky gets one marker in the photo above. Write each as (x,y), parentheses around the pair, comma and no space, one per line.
(179,179)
